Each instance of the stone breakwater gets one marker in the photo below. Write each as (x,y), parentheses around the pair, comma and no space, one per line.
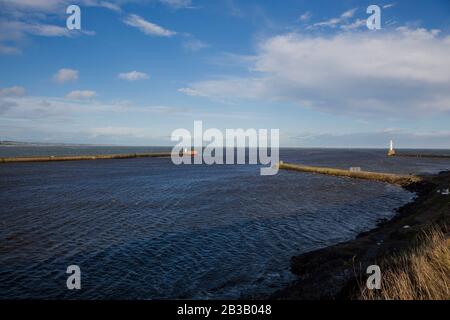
(421,155)
(398,179)
(79,158)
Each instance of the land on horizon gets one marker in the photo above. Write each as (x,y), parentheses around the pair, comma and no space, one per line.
(63,144)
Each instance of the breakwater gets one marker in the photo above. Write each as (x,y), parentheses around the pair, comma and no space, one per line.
(367,175)
(79,158)
(421,155)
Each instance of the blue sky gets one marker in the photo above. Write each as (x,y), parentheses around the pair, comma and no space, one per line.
(138,70)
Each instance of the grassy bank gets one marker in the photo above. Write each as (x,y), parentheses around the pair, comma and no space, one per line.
(421,273)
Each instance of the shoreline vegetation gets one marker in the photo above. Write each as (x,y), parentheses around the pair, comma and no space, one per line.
(421,273)
(412,249)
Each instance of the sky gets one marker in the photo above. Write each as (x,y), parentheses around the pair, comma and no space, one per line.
(138,70)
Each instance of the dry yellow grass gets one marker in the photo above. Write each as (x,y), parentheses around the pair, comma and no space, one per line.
(423,273)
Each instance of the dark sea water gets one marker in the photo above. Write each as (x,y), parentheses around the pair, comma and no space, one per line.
(147,229)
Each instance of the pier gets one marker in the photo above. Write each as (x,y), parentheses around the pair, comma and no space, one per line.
(85,157)
(393,153)
(398,179)
(422,155)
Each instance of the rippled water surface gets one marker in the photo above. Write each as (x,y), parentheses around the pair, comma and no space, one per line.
(145,228)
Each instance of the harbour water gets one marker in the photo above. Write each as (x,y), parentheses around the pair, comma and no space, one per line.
(147,229)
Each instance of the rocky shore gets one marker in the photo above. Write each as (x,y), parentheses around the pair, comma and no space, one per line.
(336,272)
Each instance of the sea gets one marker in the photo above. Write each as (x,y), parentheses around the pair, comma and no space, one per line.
(145,228)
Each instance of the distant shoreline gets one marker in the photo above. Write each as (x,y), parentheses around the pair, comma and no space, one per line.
(42,144)
(85,157)
(8,143)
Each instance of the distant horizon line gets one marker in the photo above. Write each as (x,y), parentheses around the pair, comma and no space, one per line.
(12,143)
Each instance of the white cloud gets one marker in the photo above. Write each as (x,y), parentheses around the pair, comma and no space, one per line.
(334,22)
(233,9)
(399,73)
(147,27)
(81,94)
(133,76)
(104,4)
(15,30)
(74,105)
(116,131)
(192,92)
(372,139)
(305,16)
(46,30)
(389,5)
(53,6)
(348,14)
(32,118)
(328,23)
(12,91)
(4,49)
(42,5)
(66,75)
(193,44)
(177,4)
(38,118)
(358,23)
(226,89)
(24,18)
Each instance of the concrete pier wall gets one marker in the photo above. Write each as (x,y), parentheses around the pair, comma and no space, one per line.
(78,158)
(422,155)
(384,177)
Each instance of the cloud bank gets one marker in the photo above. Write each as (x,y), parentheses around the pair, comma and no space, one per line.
(177,4)
(66,75)
(81,94)
(15,91)
(390,73)
(147,27)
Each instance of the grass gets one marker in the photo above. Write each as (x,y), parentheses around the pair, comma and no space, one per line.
(422,273)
